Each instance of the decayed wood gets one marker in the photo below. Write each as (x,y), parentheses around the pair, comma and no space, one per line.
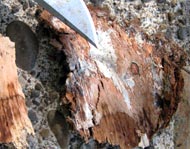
(182,116)
(124,90)
(14,121)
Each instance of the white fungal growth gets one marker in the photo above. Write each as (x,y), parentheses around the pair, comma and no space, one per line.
(88,113)
(144,142)
(106,61)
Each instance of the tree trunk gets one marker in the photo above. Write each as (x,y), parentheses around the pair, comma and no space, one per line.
(125,90)
(14,121)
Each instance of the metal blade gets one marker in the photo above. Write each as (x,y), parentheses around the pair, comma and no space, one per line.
(75,14)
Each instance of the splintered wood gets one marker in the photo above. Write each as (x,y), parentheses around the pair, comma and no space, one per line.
(14,121)
(123,91)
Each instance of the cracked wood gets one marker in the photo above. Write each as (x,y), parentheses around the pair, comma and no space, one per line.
(14,121)
(123,90)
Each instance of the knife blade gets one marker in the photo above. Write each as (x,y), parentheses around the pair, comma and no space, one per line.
(75,14)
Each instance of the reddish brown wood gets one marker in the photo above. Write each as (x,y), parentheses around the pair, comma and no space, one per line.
(14,121)
(123,90)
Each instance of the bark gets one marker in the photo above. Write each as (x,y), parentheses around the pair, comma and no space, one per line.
(14,121)
(182,116)
(126,89)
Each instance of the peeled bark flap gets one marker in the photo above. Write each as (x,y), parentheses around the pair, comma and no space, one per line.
(124,89)
(14,121)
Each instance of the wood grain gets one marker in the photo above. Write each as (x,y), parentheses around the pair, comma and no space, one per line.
(14,121)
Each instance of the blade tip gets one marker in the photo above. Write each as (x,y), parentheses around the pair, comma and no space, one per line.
(95,44)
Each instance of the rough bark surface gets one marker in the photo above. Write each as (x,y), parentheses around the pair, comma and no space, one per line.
(14,121)
(125,90)
(182,130)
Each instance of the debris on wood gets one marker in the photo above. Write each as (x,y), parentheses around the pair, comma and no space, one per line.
(125,89)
